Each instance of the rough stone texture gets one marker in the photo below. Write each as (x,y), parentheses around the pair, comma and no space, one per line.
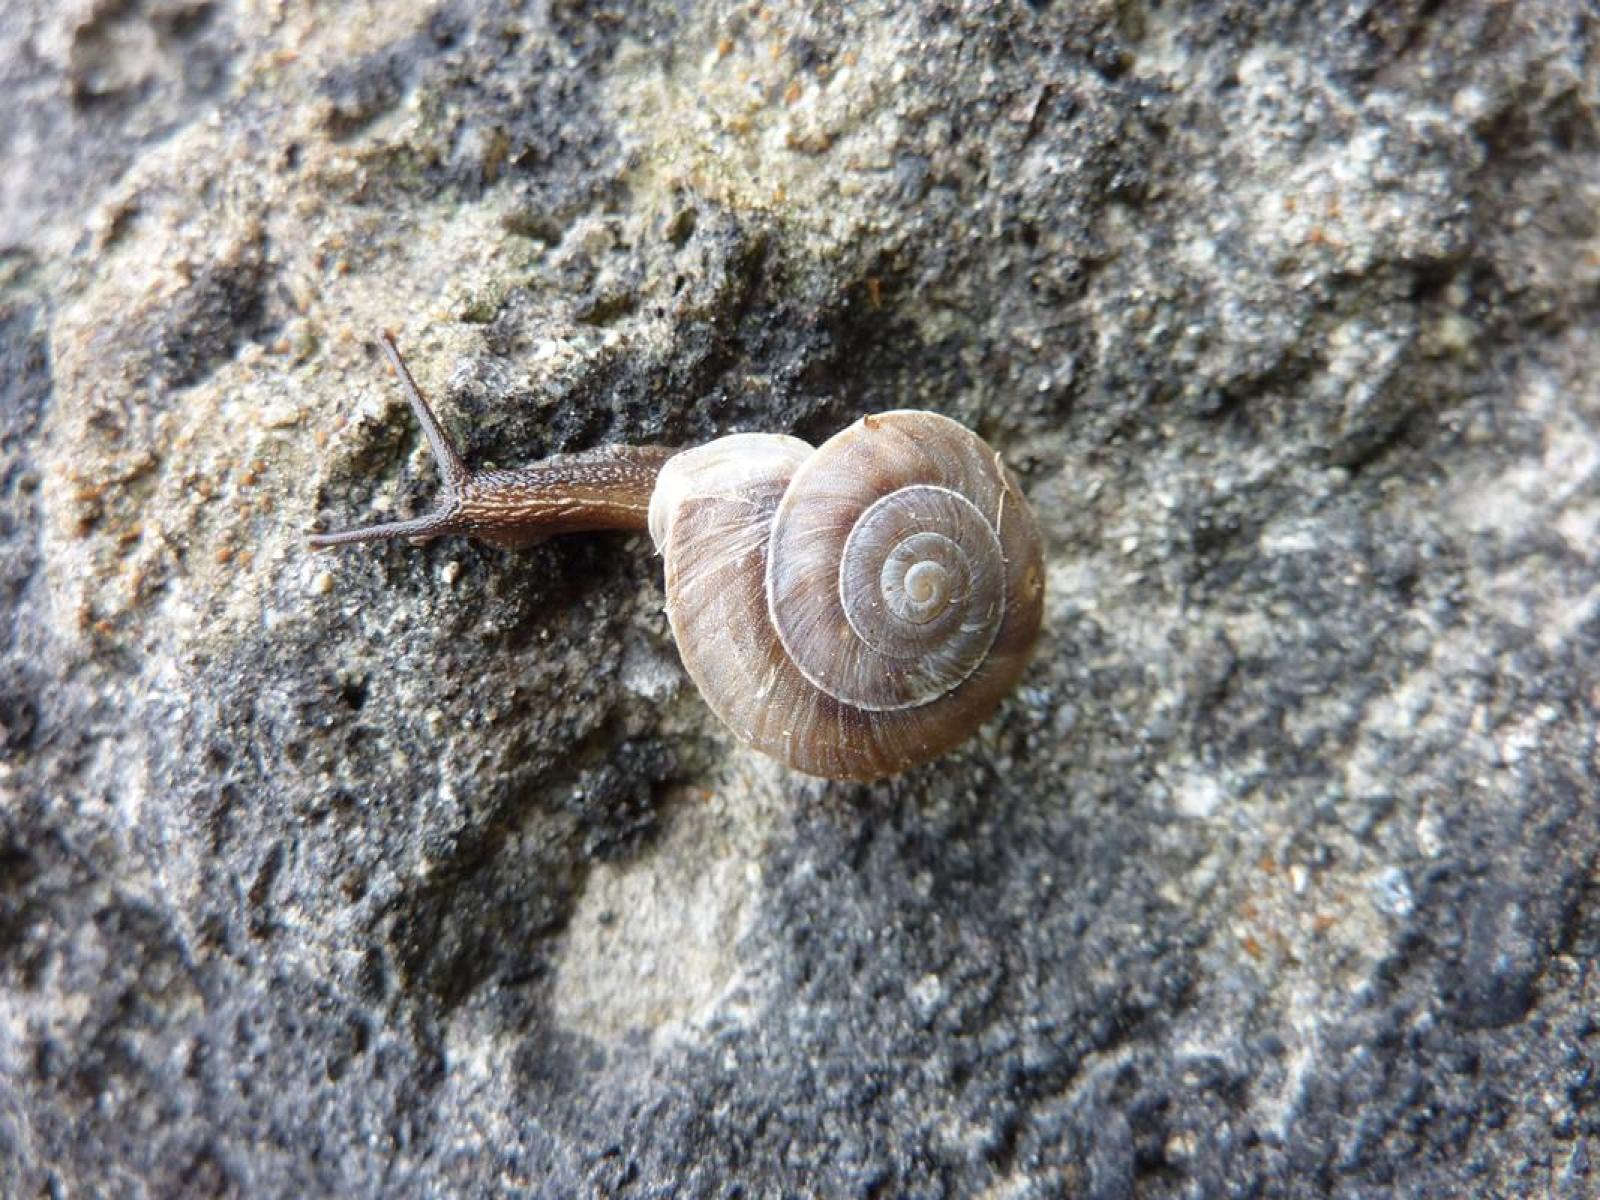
(423,872)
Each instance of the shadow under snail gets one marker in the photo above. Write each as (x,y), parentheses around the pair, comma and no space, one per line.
(852,610)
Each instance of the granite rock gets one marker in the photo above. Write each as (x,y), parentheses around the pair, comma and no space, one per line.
(423,870)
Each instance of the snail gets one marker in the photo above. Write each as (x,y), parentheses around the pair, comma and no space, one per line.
(852,610)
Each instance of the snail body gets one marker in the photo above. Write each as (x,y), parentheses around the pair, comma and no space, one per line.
(852,610)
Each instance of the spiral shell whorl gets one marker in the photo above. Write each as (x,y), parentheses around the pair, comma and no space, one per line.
(880,663)
(895,499)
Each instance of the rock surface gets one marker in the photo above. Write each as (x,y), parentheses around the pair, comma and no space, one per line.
(424,872)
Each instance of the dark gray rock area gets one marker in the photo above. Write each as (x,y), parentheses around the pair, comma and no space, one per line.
(423,871)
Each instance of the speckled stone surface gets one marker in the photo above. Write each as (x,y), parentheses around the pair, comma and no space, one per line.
(422,871)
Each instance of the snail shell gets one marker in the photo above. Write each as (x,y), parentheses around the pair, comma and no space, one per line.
(856,609)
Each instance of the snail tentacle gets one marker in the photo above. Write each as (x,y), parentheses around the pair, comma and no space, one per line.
(606,488)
